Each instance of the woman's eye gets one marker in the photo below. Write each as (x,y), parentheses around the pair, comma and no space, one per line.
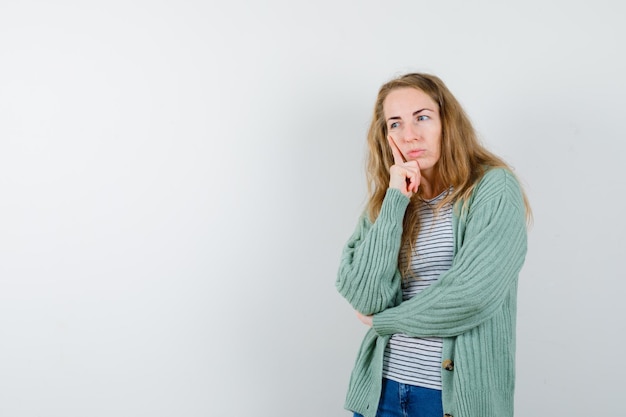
(422,117)
(393,125)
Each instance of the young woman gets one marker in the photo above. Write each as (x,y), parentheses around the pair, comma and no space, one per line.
(433,264)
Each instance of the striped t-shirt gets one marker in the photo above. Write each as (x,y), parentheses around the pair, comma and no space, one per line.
(411,360)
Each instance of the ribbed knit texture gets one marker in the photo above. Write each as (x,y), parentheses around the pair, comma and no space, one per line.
(472,306)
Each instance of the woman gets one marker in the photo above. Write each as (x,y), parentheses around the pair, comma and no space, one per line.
(433,264)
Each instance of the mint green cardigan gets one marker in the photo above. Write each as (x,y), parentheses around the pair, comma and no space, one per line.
(472,306)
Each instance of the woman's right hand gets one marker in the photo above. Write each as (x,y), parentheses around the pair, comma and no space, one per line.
(404,176)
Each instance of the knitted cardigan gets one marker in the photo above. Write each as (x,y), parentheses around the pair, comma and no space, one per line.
(472,306)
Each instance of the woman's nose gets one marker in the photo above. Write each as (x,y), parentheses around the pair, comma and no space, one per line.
(410,133)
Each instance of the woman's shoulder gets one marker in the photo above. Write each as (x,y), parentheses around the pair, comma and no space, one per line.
(498,183)
(498,178)
(498,175)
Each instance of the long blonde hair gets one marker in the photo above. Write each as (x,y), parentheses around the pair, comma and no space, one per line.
(462,163)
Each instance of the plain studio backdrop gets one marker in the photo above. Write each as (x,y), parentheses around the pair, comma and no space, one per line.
(178,178)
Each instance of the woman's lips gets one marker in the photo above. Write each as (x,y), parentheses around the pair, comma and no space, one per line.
(415,153)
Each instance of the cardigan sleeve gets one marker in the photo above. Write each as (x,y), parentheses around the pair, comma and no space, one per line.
(484,270)
(368,274)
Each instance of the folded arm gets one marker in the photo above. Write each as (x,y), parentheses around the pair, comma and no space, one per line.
(483,273)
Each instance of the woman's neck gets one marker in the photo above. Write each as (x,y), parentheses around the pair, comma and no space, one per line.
(430,186)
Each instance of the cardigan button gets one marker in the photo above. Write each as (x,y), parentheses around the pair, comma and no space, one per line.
(448,365)
(447,415)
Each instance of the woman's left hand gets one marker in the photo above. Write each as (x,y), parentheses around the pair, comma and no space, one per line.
(367,320)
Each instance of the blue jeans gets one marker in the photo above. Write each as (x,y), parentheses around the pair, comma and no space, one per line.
(402,400)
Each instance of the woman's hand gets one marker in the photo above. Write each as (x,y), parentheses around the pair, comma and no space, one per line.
(403,175)
(367,320)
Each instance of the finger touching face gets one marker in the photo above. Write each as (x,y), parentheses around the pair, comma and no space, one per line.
(398,158)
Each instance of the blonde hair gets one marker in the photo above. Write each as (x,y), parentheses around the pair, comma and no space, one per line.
(462,163)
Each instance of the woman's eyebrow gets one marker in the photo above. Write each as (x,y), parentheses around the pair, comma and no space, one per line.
(421,110)
(415,113)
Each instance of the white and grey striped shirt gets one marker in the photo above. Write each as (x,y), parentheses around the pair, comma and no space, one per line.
(417,361)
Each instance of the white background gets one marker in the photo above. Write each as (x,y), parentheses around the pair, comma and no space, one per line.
(177,180)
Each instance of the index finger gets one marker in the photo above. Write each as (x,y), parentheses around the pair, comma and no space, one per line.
(397,155)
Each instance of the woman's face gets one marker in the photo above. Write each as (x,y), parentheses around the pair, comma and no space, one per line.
(413,123)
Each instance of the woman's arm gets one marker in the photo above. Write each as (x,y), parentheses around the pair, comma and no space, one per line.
(483,273)
(368,271)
